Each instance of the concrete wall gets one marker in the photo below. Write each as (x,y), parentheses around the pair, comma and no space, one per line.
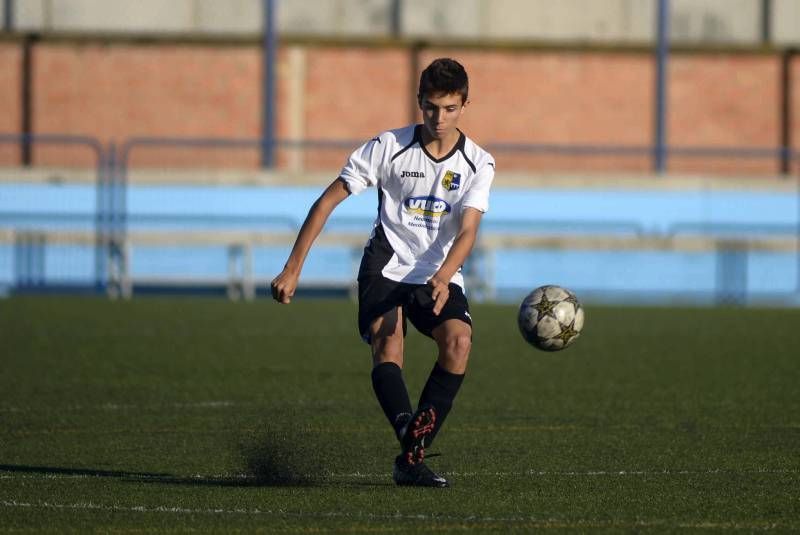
(142,16)
(786,23)
(618,21)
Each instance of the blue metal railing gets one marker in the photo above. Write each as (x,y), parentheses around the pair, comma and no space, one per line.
(111,216)
(571,149)
(103,158)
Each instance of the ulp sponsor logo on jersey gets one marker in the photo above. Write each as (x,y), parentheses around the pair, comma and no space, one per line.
(451,181)
(428,206)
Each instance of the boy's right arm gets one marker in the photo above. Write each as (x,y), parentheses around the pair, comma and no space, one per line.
(284,285)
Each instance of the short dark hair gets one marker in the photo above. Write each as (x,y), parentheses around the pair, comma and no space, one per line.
(444,75)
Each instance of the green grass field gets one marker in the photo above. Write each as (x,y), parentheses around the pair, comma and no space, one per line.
(189,414)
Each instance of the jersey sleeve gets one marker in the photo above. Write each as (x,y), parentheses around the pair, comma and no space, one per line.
(477,196)
(362,168)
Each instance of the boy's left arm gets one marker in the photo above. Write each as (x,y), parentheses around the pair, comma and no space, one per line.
(462,246)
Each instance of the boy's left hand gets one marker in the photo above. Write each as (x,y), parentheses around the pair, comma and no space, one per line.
(440,291)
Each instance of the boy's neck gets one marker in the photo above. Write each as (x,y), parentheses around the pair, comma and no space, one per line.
(440,147)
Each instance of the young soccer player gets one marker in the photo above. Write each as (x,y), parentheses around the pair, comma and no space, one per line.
(433,187)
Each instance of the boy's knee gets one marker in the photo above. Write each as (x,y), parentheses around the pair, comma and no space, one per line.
(387,349)
(457,347)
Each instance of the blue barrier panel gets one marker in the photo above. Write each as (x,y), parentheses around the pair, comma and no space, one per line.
(94,213)
(113,208)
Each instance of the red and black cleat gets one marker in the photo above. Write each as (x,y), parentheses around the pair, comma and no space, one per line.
(416,475)
(416,436)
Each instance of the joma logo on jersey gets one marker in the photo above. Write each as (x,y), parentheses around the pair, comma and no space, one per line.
(429,206)
(451,181)
(412,174)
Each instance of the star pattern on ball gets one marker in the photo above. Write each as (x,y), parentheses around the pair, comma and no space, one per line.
(574,300)
(545,308)
(567,333)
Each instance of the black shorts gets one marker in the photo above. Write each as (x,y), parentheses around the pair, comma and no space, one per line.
(377,295)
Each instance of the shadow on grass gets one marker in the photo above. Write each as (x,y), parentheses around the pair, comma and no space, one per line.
(79,472)
(282,455)
(243,480)
(277,455)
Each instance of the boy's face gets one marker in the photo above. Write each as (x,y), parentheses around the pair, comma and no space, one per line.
(440,113)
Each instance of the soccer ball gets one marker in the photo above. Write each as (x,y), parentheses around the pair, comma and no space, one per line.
(550,318)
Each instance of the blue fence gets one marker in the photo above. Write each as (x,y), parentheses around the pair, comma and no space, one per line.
(47,224)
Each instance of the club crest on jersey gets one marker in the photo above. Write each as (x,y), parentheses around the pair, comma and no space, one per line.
(451,181)
(428,206)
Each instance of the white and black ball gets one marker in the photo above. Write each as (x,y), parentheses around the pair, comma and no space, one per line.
(551,318)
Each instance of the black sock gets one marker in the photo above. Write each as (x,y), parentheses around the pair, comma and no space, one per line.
(440,391)
(390,389)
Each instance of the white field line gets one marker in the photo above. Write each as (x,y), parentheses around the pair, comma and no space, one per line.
(459,520)
(222,404)
(226,404)
(366,475)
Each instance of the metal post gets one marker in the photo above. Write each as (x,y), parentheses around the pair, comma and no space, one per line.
(268,86)
(766,22)
(396,18)
(786,110)
(104,216)
(414,52)
(731,273)
(118,283)
(662,54)
(8,15)
(26,100)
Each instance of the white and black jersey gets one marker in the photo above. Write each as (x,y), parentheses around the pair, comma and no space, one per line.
(420,200)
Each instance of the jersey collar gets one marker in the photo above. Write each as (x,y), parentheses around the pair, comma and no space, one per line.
(459,145)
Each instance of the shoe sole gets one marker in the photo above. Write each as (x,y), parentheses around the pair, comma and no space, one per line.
(417,475)
(438,485)
(420,427)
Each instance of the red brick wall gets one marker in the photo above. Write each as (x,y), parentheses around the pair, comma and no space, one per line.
(121,91)
(353,94)
(10,60)
(724,100)
(118,91)
(557,98)
(795,104)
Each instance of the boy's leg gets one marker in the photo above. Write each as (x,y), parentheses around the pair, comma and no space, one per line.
(386,340)
(454,339)
(452,331)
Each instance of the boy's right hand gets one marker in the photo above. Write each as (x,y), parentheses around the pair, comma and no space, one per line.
(283,287)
